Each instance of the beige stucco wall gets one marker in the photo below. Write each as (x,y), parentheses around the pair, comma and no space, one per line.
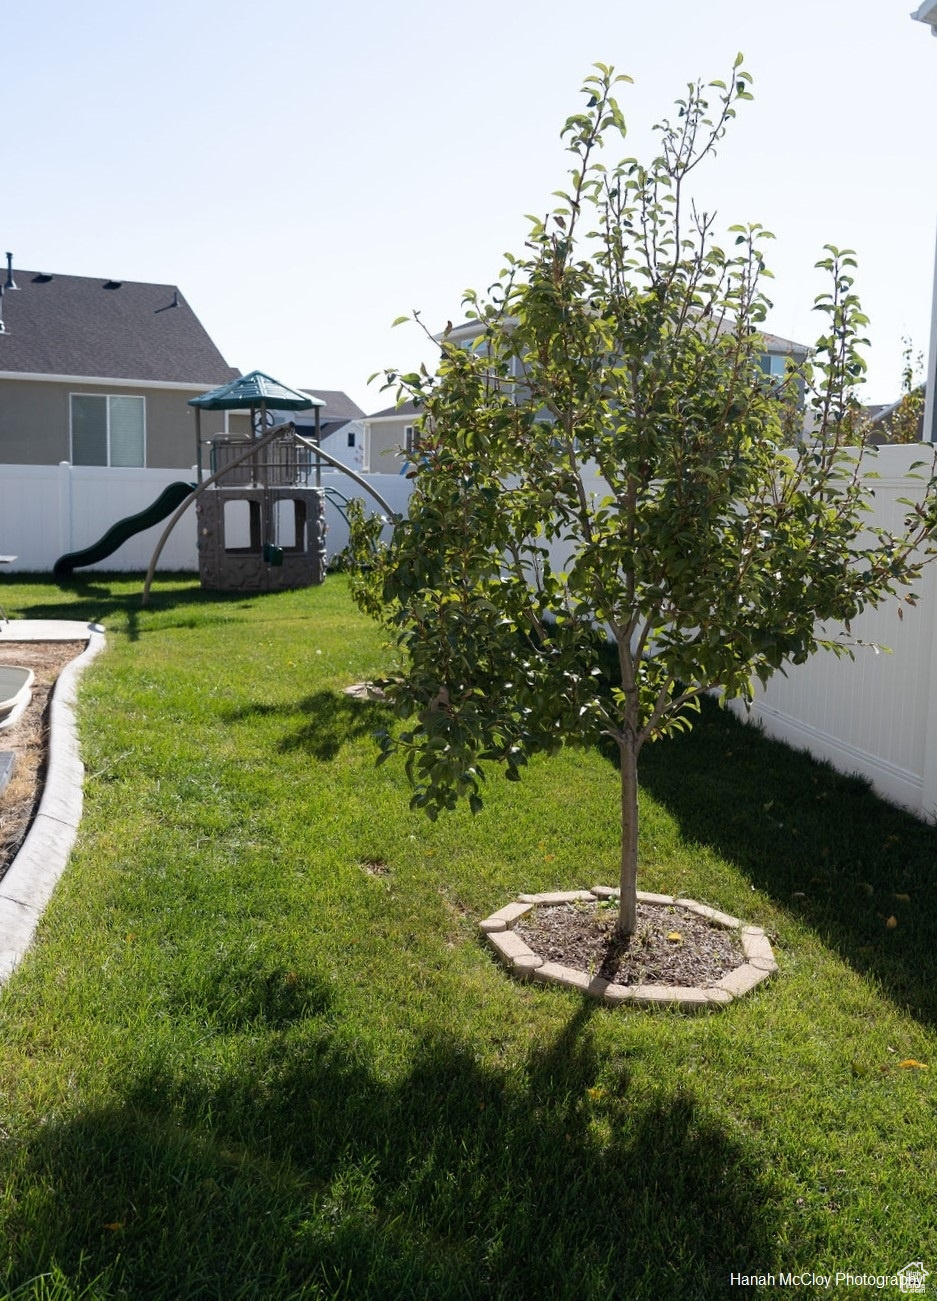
(239,422)
(34,422)
(386,439)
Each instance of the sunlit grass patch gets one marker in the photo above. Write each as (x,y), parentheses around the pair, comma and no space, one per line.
(239,1064)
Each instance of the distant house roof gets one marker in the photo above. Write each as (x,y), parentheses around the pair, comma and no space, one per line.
(405,409)
(105,329)
(338,405)
(773,342)
(339,410)
(882,418)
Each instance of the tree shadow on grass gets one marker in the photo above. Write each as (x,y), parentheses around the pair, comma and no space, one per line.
(235,991)
(303,1173)
(820,843)
(91,598)
(330,720)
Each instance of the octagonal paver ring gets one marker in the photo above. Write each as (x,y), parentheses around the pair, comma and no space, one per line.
(522,961)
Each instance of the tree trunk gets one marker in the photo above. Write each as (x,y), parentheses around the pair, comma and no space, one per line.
(628,905)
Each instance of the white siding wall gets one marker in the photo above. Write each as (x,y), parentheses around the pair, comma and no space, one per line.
(337,445)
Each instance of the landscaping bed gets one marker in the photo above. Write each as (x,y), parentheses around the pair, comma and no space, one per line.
(27,739)
(670,945)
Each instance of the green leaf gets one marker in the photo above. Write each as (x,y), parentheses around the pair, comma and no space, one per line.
(611,461)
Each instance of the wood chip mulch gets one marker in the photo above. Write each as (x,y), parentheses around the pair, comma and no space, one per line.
(28,738)
(671,945)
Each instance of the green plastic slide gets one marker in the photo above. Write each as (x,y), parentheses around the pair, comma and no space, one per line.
(168,500)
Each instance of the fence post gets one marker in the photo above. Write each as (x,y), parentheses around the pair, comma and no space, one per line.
(929,773)
(65,508)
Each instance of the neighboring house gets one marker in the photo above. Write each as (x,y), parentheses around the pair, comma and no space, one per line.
(390,437)
(99,372)
(774,359)
(341,427)
(778,352)
(901,421)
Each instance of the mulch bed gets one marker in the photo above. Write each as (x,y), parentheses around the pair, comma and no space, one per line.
(670,946)
(28,738)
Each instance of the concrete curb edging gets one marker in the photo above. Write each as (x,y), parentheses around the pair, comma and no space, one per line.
(520,959)
(26,886)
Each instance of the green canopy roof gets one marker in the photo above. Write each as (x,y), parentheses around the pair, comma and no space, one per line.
(255,390)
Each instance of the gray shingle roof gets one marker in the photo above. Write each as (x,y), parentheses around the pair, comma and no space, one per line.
(79,325)
(338,405)
(408,408)
(775,343)
(882,417)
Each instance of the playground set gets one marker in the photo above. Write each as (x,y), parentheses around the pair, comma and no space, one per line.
(261,514)
(261,510)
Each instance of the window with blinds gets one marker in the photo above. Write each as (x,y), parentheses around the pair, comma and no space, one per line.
(108,429)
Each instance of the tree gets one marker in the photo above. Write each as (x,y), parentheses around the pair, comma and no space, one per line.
(903,422)
(622,348)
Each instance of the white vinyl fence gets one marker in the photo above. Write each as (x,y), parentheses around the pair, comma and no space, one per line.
(49,510)
(875,715)
(394,488)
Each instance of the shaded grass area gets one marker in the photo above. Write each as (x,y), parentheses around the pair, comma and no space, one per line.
(258,1050)
(451,1181)
(816,841)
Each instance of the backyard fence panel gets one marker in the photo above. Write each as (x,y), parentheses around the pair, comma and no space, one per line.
(394,488)
(102,496)
(49,510)
(32,514)
(869,715)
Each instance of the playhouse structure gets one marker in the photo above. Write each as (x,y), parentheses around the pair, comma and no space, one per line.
(261,516)
(261,511)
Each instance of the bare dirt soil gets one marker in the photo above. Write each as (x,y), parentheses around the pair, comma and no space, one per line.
(671,946)
(28,738)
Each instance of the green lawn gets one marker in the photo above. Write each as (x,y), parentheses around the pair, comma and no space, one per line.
(259,1051)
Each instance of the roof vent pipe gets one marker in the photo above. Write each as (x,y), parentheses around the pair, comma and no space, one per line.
(10,282)
(3,328)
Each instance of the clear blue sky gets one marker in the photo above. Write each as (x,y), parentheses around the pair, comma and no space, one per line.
(307,172)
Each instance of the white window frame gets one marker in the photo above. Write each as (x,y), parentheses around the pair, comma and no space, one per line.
(777,364)
(107,408)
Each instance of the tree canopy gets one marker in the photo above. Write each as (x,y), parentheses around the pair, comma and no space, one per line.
(615,508)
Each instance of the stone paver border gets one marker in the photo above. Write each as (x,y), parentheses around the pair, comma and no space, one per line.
(27,884)
(364,691)
(520,959)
